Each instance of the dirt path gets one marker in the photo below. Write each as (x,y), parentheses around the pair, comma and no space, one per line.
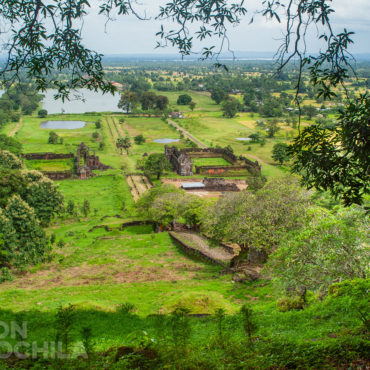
(202,244)
(260,161)
(138,184)
(17,127)
(187,134)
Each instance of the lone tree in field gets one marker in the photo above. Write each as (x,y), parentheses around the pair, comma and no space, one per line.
(123,143)
(184,99)
(128,102)
(218,95)
(42,113)
(53,138)
(280,153)
(156,164)
(41,37)
(230,107)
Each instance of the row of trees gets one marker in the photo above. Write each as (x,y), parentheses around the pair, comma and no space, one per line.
(149,100)
(28,201)
(305,244)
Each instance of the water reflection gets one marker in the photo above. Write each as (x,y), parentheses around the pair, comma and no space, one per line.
(63,125)
(80,102)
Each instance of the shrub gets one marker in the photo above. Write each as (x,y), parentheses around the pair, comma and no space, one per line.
(42,113)
(6,275)
(126,308)
(9,160)
(139,139)
(290,303)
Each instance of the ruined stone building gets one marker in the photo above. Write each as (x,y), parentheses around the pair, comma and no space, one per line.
(86,162)
(181,162)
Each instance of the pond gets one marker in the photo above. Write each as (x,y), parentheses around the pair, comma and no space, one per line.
(243,138)
(81,101)
(166,141)
(63,125)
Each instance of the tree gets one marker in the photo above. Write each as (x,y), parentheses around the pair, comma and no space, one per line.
(31,242)
(272,128)
(53,138)
(258,219)
(230,107)
(148,100)
(85,208)
(128,101)
(42,113)
(337,158)
(255,138)
(156,164)
(309,111)
(70,207)
(280,153)
(9,160)
(139,139)
(184,99)
(328,249)
(161,102)
(123,143)
(218,95)
(42,195)
(10,144)
(192,105)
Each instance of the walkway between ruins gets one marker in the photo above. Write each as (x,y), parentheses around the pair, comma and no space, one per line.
(201,244)
(187,134)
(17,127)
(138,185)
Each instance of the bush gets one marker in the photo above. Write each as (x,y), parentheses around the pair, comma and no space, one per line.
(6,275)
(95,135)
(9,160)
(184,99)
(139,139)
(42,113)
(53,138)
(290,303)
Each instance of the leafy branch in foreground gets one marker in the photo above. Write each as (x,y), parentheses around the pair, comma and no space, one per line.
(337,159)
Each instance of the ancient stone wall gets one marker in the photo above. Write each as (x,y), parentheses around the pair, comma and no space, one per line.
(58,175)
(183,165)
(221,170)
(218,184)
(86,162)
(47,156)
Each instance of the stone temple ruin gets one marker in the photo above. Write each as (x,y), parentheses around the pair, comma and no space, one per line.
(182,163)
(86,162)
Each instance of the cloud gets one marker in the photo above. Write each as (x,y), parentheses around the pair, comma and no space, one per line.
(127,34)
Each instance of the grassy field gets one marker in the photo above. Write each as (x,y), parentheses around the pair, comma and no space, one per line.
(50,165)
(35,139)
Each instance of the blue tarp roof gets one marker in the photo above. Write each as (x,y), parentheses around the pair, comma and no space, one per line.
(186,185)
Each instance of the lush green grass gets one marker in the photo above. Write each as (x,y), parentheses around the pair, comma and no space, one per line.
(50,165)
(35,139)
(210,162)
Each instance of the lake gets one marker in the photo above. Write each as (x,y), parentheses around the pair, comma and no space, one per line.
(90,101)
(166,141)
(62,125)
(243,138)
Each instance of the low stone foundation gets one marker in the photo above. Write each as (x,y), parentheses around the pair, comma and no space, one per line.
(47,156)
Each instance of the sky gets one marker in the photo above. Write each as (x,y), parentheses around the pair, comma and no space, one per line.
(128,35)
